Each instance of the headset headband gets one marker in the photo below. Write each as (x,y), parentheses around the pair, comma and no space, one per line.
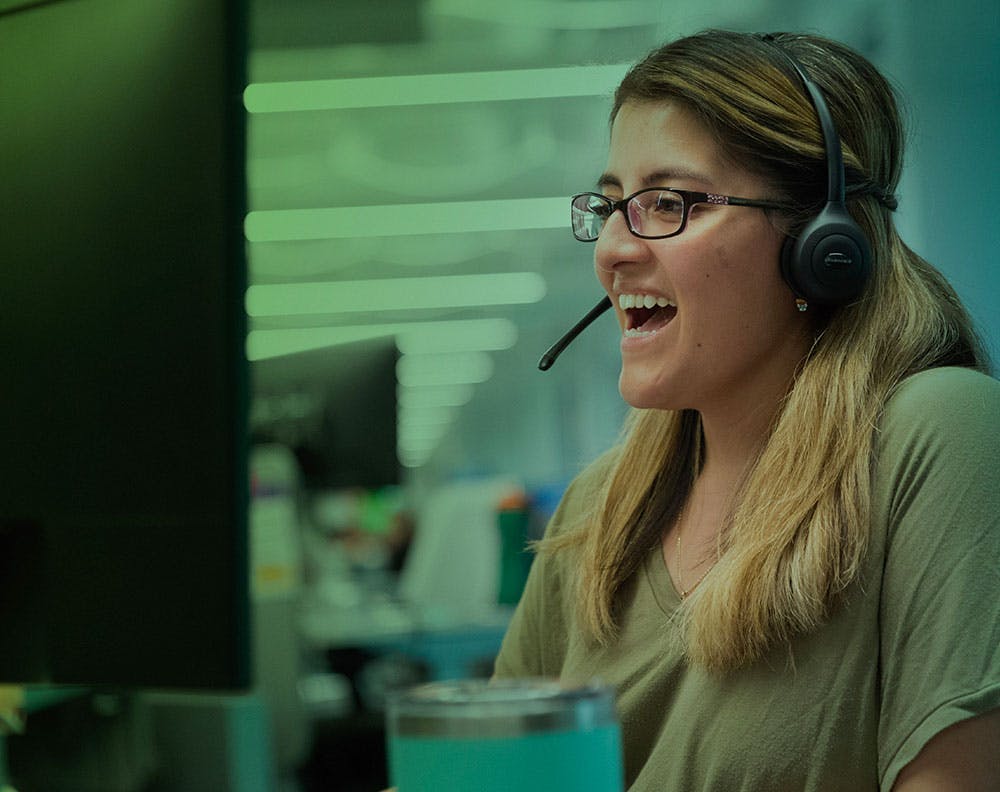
(835,178)
(830,261)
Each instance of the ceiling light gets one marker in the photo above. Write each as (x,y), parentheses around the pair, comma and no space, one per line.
(555,15)
(414,459)
(423,89)
(459,335)
(394,294)
(419,446)
(459,368)
(420,436)
(410,417)
(414,443)
(434,396)
(511,214)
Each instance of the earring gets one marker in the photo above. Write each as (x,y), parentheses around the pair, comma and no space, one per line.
(801,304)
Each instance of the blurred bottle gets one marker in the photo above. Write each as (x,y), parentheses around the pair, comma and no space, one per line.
(515,559)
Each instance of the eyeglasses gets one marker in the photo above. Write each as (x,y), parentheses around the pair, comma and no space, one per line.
(653,213)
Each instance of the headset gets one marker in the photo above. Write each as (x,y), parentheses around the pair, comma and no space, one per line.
(830,260)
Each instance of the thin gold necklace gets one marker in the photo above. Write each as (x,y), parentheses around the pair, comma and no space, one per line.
(680,563)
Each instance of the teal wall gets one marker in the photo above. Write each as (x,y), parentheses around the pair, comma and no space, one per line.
(949,70)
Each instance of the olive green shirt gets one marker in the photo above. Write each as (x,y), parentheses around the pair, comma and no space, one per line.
(914,648)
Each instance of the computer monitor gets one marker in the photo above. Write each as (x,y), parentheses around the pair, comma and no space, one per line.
(336,409)
(123,379)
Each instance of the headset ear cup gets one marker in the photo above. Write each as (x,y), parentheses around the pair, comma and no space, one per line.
(829,262)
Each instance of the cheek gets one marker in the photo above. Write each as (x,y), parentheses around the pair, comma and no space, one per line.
(720,280)
(737,292)
(751,262)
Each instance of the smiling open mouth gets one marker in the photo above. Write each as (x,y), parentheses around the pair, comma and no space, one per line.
(645,314)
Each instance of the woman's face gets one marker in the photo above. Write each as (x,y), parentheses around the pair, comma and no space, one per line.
(732,334)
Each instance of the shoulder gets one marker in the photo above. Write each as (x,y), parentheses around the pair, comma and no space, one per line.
(949,405)
(597,472)
(583,495)
(938,442)
(948,391)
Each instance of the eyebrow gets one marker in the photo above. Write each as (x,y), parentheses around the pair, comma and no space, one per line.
(657,178)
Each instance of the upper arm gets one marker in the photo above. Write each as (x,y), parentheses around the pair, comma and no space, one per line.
(939,494)
(965,757)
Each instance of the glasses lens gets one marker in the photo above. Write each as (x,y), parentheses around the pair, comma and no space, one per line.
(589,212)
(656,213)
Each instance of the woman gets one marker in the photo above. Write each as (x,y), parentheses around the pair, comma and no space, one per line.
(788,567)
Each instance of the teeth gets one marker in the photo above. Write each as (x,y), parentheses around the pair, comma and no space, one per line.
(626,301)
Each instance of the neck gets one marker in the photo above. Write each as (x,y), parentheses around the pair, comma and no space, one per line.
(733,440)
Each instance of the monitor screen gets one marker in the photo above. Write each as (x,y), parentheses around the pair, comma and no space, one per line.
(123,541)
(336,409)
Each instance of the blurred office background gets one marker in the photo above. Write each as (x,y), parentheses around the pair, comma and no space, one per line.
(408,168)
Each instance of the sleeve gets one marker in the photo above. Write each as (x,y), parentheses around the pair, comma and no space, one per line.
(536,640)
(938,491)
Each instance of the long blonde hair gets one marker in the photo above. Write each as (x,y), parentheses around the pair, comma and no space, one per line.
(798,532)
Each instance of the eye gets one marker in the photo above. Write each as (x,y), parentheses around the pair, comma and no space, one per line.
(668,203)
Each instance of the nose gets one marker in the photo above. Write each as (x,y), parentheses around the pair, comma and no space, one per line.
(617,245)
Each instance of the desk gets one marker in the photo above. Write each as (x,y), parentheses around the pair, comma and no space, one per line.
(448,642)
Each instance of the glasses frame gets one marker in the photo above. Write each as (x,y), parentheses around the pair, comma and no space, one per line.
(689,198)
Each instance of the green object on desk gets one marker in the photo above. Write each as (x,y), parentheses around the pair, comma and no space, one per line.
(515,560)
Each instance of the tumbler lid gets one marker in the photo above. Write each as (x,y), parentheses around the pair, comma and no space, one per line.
(500,708)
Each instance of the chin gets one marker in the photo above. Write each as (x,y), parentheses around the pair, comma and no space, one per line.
(648,395)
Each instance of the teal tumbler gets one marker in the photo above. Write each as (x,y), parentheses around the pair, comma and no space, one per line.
(505,736)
